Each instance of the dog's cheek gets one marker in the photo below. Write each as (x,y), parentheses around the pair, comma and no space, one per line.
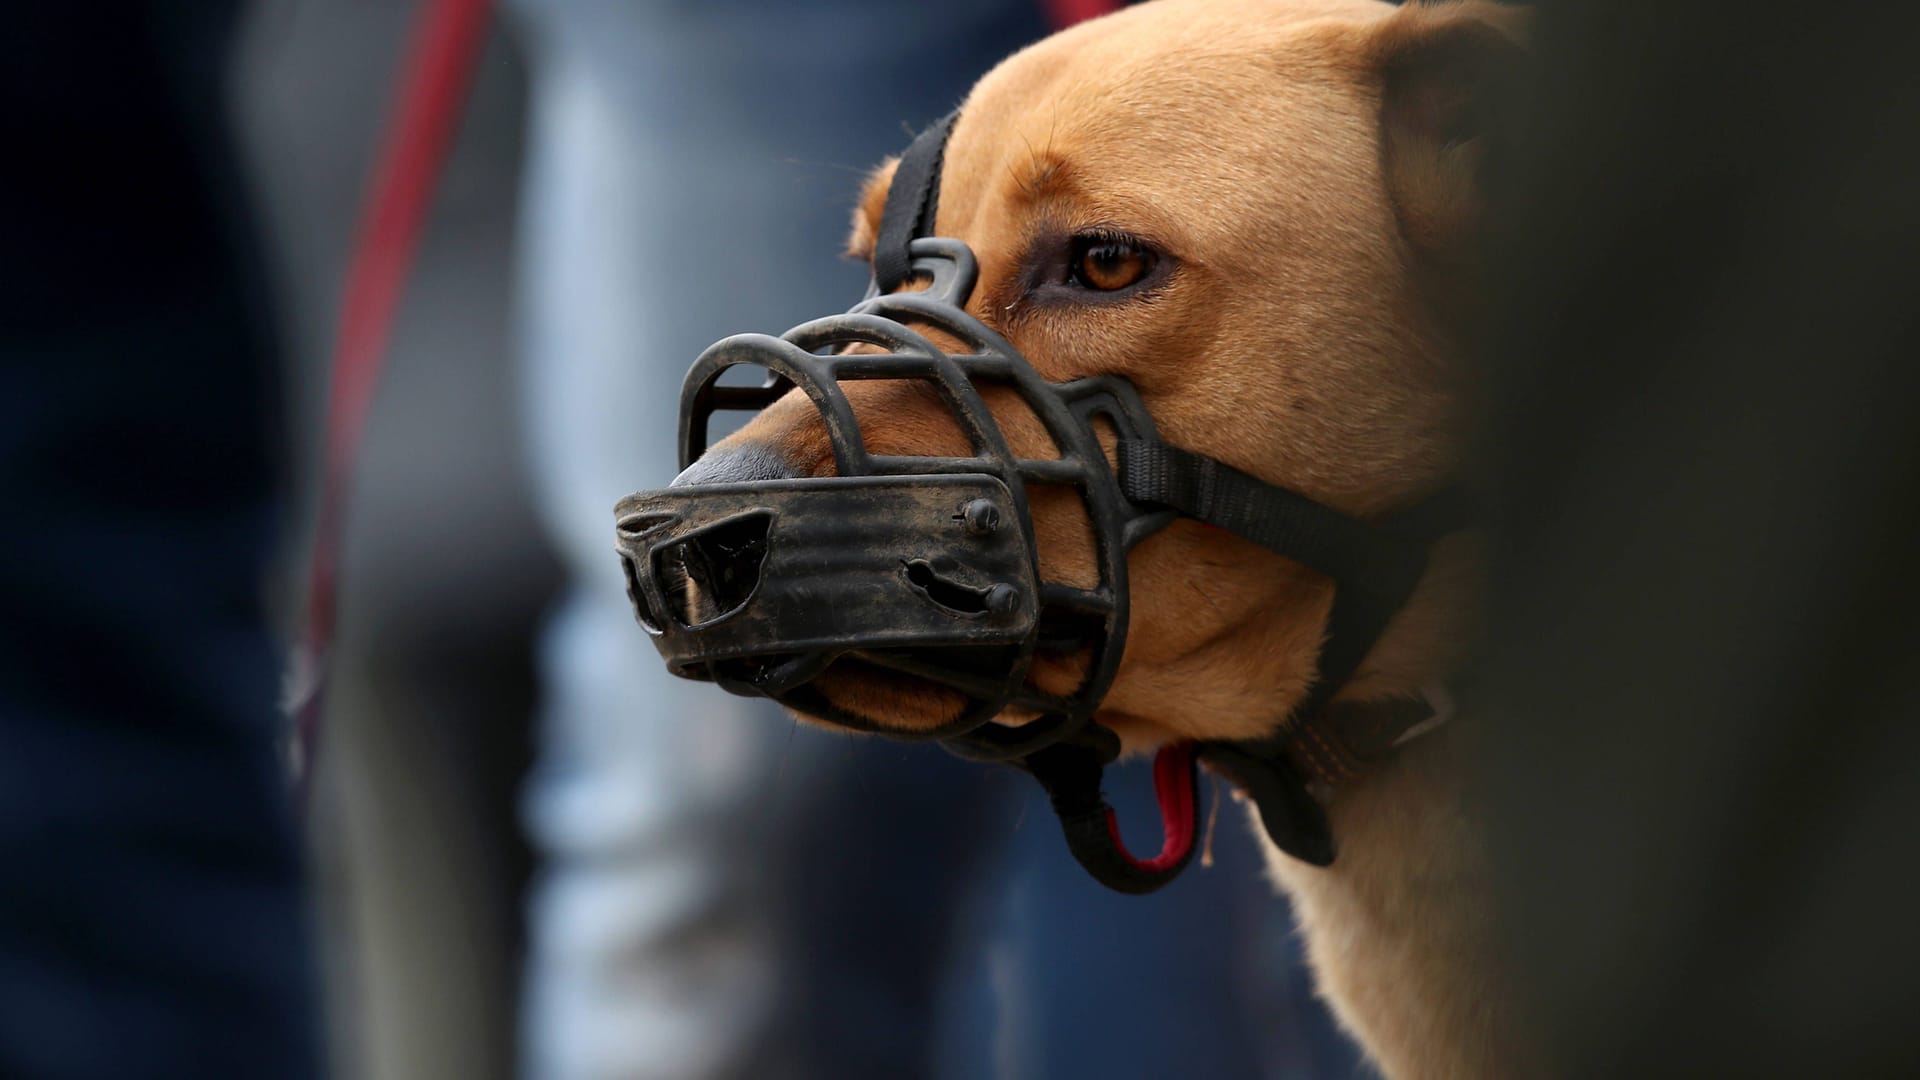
(1224,636)
(1064,535)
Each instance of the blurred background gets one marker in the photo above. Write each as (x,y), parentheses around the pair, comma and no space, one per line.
(527,852)
(415,834)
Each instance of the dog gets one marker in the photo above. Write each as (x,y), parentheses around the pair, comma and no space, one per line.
(1264,216)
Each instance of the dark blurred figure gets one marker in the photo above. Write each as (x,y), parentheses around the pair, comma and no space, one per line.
(151,918)
(1704,685)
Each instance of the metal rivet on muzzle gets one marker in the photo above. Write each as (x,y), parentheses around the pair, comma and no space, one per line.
(981,517)
(1003,599)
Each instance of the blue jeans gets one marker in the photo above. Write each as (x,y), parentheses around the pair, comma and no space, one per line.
(153,914)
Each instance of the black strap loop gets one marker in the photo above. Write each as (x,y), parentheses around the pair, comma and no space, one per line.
(1294,820)
(1071,773)
(912,202)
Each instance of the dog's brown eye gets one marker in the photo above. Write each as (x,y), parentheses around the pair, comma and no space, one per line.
(1107,265)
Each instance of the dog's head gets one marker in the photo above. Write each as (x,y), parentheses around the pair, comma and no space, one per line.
(1261,216)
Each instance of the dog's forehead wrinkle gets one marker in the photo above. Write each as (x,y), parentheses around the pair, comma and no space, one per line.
(1266,167)
(1128,57)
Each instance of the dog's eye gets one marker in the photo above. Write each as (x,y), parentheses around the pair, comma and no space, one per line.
(1107,264)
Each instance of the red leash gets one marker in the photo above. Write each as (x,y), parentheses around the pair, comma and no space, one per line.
(1179,812)
(437,70)
(1064,13)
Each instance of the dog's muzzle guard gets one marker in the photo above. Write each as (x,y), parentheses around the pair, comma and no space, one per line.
(927,567)
(924,566)
(766,595)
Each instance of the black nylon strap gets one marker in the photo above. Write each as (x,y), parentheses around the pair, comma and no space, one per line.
(1293,819)
(1279,520)
(1375,569)
(1362,608)
(912,201)
(1071,774)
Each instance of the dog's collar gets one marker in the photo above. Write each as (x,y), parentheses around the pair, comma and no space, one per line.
(1291,775)
(1332,748)
(1325,743)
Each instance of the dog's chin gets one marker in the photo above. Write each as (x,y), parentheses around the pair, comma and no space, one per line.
(886,701)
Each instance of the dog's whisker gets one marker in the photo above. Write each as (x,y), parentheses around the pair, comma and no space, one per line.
(857,170)
(1208,598)
(786,753)
(1025,187)
(1213,818)
(859,772)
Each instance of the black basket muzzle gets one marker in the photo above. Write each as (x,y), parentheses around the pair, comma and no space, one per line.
(926,567)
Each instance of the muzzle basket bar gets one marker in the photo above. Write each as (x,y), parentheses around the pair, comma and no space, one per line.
(922,566)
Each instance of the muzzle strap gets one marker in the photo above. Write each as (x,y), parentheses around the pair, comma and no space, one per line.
(912,201)
(1374,567)
(1282,521)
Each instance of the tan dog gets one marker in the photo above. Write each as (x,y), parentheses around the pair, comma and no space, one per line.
(1261,215)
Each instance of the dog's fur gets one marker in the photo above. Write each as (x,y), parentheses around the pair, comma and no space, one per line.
(1306,167)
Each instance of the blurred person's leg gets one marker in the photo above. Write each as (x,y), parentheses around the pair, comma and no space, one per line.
(1204,978)
(418,861)
(151,911)
(1703,688)
(693,167)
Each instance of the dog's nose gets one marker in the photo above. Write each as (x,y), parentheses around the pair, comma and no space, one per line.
(715,570)
(743,464)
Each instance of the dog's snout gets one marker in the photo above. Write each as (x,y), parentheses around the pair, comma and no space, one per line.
(715,570)
(745,463)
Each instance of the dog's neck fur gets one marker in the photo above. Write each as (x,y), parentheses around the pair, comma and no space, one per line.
(1395,926)
(1388,925)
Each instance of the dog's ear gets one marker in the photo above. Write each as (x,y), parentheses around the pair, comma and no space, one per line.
(1442,71)
(866,213)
